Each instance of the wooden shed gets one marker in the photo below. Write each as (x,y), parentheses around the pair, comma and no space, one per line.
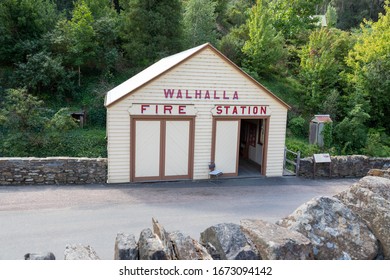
(188,110)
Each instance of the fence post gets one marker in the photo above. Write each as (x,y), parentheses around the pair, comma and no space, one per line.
(298,163)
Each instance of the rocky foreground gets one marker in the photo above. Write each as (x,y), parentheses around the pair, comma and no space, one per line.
(354,224)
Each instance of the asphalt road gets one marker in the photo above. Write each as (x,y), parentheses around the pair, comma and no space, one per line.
(46,218)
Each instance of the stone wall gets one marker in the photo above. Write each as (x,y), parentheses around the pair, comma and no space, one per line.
(343,166)
(53,170)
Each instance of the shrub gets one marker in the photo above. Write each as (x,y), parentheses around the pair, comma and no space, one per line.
(298,126)
(307,150)
(378,144)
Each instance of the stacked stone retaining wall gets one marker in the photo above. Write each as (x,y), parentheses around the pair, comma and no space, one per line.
(343,166)
(53,170)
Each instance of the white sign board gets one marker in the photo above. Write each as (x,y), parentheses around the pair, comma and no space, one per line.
(241,110)
(321,158)
(148,109)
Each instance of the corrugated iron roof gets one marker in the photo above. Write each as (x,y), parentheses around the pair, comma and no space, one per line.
(321,118)
(162,66)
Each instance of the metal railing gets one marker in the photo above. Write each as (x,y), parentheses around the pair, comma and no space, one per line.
(292,158)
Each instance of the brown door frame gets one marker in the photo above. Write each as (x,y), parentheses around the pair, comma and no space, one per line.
(240,118)
(162,120)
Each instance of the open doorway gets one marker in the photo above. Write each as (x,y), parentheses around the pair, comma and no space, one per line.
(251,151)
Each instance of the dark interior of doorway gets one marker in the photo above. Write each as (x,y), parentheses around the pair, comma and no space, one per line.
(251,147)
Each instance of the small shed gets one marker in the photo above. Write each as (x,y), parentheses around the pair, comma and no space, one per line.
(317,125)
(189,111)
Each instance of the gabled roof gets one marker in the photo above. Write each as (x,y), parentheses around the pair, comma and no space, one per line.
(321,118)
(164,65)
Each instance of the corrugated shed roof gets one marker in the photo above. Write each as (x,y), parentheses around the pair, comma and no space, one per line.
(164,65)
(321,118)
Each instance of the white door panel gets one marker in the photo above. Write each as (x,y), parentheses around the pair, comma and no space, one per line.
(147,151)
(226,143)
(177,143)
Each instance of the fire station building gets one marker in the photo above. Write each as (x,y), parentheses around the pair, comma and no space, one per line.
(190,110)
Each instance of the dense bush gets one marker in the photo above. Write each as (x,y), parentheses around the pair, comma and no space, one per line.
(296,144)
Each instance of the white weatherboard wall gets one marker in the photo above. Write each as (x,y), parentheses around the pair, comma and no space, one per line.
(206,70)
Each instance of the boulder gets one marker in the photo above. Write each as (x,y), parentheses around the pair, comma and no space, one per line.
(227,242)
(162,234)
(370,199)
(125,247)
(187,248)
(80,252)
(150,247)
(178,246)
(275,242)
(39,256)
(334,230)
(379,173)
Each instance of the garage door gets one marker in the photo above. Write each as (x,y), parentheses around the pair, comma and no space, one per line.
(162,149)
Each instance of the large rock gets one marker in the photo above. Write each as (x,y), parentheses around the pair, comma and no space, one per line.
(187,248)
(40,256)
(334,230)
(178,246)
(277,243)
(379,173)
(80,252)
(227,242)
(151,248)
(125,247)
(370,199)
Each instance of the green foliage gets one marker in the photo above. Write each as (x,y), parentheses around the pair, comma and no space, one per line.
(327,134)
(46,44)
(369,61)
(378,143)
(293,17)
(297,144)
(44,74)
(22,26)
(331,16)
(28,128)
(61,121)
(351,13)
(351,132)
(77,143)
(150,30)
(322,61)
(232,44)
(264,50)
(298,126)
(23,120)
(199,22)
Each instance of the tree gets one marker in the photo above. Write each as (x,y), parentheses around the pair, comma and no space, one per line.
(369,61)
(28,128)
(44,74)
(75,39)
(22,121)
(23,23)
(264,50)
(321,62)
(351,13)
(150,30)
(331,16)
(294,17)
(200,22)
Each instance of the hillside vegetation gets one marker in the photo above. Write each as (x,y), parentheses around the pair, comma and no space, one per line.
(58,57)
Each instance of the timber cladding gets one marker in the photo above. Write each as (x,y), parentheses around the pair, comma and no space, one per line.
(179,99)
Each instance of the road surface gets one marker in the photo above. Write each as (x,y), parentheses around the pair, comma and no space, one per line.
(46,218)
